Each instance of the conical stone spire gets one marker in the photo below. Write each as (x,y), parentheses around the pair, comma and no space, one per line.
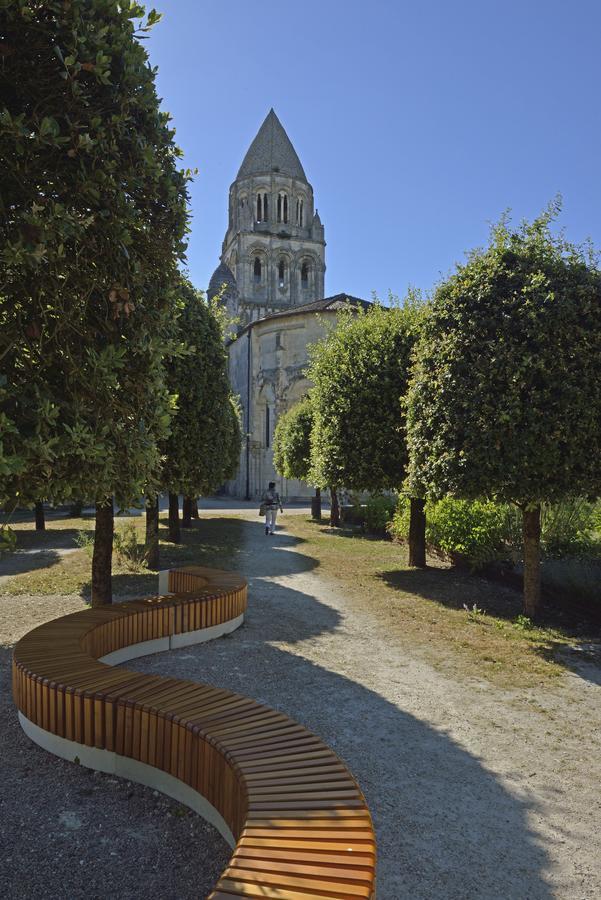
(271,151)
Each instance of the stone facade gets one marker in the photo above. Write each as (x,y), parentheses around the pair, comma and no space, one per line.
(271,279)
(274,246)
(267,369)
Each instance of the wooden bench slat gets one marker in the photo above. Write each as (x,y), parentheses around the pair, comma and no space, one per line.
(302,826)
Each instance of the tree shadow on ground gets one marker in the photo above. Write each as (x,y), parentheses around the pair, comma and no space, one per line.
(19,562)
(447,828)
(95,836)
(39,549)
(455,588)
(224,543)
(215,542)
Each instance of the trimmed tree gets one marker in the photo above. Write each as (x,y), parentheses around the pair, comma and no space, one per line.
(505,400)
(292,448)
(360,373)
(92,222)
(203,447)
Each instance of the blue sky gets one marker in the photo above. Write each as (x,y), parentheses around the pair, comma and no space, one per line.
(417,122)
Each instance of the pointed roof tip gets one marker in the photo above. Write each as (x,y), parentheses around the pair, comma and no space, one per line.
(271,151)
(222,275)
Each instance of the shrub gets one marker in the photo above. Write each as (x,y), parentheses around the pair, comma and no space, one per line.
(85,541)
(471,531)
(8,539)
(130,554)
(377,512)
(479,532)
(568,529)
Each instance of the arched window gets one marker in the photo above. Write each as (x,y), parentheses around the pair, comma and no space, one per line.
(262,208)
(283,207)
(257,270)
(282,272)
(300,211)
(305,275)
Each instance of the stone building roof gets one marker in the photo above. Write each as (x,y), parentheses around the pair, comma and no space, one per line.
(338,301)
(329,304)
(222,275)
(271,151)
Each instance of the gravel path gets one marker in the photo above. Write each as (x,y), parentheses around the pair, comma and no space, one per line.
(476,792)
(70,833)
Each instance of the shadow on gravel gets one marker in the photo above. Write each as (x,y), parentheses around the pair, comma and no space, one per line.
(447,829)
(94,836)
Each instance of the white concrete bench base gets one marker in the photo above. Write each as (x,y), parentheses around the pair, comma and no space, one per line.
(131,769)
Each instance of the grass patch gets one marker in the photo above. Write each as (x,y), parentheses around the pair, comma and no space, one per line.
(210,542)
(464,624)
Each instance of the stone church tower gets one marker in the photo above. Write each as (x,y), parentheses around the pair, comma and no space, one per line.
(271,279)
(273,254)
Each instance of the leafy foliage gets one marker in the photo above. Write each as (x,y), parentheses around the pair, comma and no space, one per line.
(92,223)
(8,539)
(569,529)
(376,513)
(129,551)
(505,400)
(203,447)
(292,442)
(479,532)
(360,373)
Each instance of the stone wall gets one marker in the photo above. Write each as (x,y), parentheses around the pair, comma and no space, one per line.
(276,353)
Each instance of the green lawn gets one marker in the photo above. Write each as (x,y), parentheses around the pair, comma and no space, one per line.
(462,623)
(212,542)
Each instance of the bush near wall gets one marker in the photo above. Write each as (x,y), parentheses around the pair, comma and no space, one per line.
(375,514)
(479,532)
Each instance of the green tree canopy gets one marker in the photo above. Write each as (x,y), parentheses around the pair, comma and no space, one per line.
(360,372)
(203,448)
(292,442)
(505,400)
(92,222)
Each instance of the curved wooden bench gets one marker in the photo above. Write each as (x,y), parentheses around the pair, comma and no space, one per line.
(295,816)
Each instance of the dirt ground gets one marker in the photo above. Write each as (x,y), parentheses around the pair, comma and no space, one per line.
(477,791)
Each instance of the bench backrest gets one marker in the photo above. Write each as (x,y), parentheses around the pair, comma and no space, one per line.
(299,822)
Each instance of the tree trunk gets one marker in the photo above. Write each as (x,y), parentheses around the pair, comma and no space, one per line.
(174,529)
(531,534)
(194,503)
(417,533)
(102,558)
(76,509)
(40,518)
(187,512)
(152,532)
(334,509)
(316,505)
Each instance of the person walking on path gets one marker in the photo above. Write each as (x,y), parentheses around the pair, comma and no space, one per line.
(271,501)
